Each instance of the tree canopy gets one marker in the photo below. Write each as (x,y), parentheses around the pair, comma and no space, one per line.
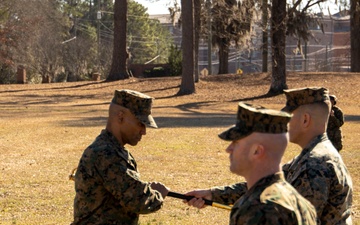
(64,40)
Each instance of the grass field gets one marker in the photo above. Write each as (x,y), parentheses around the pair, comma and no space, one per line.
(44,129)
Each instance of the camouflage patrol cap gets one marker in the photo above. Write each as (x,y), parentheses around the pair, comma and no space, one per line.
(304,96)
(138,103)
(251,118)
(333,98)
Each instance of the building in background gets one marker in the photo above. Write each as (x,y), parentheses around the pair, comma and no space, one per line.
(328,51)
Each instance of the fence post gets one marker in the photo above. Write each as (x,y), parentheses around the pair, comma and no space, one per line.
(21,75)
(96,76)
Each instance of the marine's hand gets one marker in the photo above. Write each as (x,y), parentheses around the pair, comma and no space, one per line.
(160,188)
(198,201)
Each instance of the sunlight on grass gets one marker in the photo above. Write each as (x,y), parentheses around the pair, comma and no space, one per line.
(42,139)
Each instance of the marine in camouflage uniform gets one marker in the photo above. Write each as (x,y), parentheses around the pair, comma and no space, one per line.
(107,182)
(336,120)
(271,199)
(318,173)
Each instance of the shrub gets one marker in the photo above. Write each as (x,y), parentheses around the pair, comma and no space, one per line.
(156,72)
(7,75)
(175,61)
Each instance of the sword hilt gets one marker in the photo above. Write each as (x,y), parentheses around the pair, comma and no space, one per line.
(207,202)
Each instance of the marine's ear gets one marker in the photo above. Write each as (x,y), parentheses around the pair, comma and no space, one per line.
(259,150)
(306,118)
(120,116)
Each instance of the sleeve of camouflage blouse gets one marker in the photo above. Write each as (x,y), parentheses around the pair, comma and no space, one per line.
(339,117)
(228,195)
(313,181)
(285,168)
(125,185)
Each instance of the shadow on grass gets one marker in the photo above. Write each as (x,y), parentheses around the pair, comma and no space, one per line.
(267,95)
(189,116)
(53,88)
(162,89)
(85,122)
(92,104)
(354,118)
(85,84)
(199,120)
(32,99)
(192,106)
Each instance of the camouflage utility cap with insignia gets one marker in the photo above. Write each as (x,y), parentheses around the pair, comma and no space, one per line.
(138,103)
(304,96)
(251,118)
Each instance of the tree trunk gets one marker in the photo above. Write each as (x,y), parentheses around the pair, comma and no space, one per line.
(197,11)
(265,36)
(223,59)
(120,56)
(209,36)
(355,34)
(187,82)
(278,34)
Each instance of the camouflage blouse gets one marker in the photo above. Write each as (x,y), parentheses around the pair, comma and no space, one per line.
(108,186)
(273,201)
(336,120)
(319,174)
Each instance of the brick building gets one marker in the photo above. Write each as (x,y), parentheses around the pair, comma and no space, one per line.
(328,51)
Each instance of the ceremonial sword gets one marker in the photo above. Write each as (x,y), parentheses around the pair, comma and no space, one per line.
(207,202)
(176,195)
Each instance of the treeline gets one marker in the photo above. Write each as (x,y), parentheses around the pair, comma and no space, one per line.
(68,40)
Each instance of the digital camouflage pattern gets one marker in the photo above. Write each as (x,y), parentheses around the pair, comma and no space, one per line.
(319,174)
(304,96)
(253,118)
(273,201)
(228,195)
(336,120)
(108,186)
(138,103)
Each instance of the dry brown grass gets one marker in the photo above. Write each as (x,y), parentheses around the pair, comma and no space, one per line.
(45,128)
